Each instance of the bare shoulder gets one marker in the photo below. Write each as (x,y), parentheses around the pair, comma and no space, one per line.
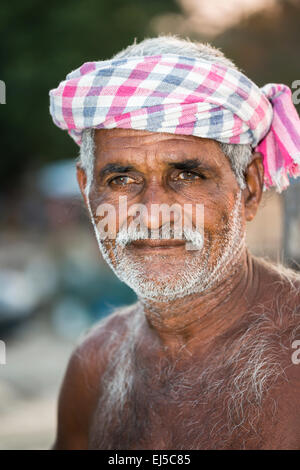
(283,285)
(79,393)
(105,335)
(280,281)
(278,320)
(279,307)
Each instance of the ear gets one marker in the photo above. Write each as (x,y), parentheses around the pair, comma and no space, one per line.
(254,178)
(82,179)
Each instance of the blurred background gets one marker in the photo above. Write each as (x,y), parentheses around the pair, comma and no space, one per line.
(53,283)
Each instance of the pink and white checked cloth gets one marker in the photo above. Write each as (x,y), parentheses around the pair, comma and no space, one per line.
(183,95)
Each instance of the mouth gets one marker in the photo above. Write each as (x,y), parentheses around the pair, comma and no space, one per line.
(156,245)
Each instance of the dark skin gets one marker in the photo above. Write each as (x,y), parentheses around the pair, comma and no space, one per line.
(152,168)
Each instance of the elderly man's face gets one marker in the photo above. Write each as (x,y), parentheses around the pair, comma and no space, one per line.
(158,168)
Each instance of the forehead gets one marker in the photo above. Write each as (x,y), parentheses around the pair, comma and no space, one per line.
(131,144)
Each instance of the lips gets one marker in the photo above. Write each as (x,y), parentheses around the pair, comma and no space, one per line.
(156,244)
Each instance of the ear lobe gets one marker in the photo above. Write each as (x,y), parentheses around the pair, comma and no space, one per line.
(82,180)
(254,178)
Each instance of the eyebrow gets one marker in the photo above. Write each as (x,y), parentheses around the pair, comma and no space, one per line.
(115,168)
(187,165)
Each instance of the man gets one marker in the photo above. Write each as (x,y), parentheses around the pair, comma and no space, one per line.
(204,358)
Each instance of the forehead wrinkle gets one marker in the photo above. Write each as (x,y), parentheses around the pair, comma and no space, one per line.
(111,136)
(138,154)
(155,159)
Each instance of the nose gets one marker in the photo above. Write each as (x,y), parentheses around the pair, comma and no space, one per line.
(158,208)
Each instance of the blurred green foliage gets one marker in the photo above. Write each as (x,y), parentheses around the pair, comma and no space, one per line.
(42,42)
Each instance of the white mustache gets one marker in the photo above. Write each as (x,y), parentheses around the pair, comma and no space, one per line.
(126,236)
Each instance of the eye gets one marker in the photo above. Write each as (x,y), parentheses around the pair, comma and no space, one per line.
(121,181)
(190,176)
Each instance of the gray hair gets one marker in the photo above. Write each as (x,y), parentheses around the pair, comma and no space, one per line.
(239,155)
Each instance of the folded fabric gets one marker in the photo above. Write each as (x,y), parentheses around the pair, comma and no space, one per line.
(183,95)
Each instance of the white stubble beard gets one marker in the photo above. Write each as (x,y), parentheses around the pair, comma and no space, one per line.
(195,276)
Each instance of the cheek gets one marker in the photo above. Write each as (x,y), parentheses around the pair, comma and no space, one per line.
(197,192)
(96,198)
(217,216)
(109,216)
(224,218)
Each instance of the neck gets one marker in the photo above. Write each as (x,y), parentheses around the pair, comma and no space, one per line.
(199,318)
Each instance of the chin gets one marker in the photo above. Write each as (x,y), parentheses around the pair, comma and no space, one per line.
(163,285)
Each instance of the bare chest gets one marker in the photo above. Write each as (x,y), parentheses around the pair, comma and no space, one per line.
(233,397)
(180,412)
